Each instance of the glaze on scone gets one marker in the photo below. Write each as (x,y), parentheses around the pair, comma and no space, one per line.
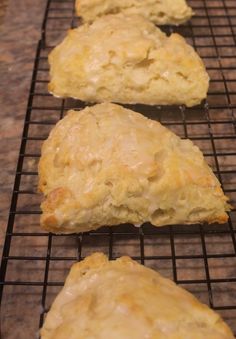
(122,299)
(107,165)
(161,12)
(127,60)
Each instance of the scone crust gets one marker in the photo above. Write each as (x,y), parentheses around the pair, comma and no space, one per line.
(122,299)
(107,165)
(102,63)
(161,12)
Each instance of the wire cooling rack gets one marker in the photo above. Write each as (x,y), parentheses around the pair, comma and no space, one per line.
(200,258)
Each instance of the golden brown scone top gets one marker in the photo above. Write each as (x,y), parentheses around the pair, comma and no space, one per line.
(160,12)
(127,60)
(107,165)
(122,299)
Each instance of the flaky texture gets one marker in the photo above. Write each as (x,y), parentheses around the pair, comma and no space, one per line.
(160,12)
(107,165)
(122,300)
(127,60)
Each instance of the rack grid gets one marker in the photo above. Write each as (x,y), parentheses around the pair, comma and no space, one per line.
(201,258)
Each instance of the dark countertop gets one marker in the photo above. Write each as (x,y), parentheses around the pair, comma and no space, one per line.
(20,30)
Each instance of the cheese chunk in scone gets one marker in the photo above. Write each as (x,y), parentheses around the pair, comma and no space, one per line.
(107,165)
(161,12)
(122,299)
(127,60)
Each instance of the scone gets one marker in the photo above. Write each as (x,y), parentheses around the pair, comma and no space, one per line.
(108,165)
(127,60)
(122,299)
(161,12)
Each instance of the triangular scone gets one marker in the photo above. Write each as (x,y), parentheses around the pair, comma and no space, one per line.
(108,165)
(127,60)
(161,12)
(122,299)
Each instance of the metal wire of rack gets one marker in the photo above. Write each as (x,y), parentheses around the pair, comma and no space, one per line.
(201,258)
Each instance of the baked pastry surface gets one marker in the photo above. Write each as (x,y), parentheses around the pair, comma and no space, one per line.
(160,12)
(107,165)
(122,299)
(101,62)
